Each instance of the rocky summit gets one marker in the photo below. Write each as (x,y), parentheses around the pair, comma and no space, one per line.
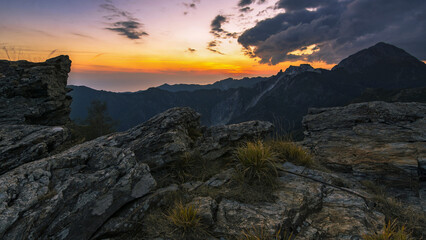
(363,165)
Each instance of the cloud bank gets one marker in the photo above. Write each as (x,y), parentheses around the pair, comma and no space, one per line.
(335,29)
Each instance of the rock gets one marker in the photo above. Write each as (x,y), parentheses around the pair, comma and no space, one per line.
(102,186)
(375,140)
(129,217)
(160,140)
(307,205)
(219,141)
(220,178)
(319,211)
(234,217)
(206,208)
(81,188)
(35,93)
(20,144)
(295,70)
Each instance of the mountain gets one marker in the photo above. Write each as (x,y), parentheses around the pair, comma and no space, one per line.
(225,84)
(282,99)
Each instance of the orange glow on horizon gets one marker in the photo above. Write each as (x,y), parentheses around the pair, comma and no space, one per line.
(230,65)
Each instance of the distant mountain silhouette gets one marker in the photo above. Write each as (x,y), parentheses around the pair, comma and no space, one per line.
(282,99)
(225,84)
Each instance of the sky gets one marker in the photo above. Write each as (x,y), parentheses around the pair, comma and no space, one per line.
(131,45)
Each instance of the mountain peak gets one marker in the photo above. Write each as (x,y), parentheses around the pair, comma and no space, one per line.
(295,70)
(381,52)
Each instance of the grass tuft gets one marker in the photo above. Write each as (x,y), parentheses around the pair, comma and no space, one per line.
(185,217)
(256,162)
(261,233)
(292,152)
(390,231)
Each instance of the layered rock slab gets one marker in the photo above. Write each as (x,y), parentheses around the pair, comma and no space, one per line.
(374,140)
(35,93)
(20,144)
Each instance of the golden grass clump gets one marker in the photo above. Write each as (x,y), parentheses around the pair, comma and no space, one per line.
(390,231)
(185,217)
(292,152)
(261,233)
(256,161)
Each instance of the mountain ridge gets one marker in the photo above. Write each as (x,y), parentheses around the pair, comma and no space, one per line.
(282,98)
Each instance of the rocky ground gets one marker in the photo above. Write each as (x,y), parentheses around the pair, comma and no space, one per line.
(367,168)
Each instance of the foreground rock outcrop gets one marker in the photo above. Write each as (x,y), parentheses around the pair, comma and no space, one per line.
(35,93)
(377,141)
(31,95)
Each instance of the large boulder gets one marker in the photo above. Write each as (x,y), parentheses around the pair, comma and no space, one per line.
(377,141)
(35,93)
(20,144)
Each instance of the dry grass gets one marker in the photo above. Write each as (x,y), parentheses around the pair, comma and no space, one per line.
(185,217)
(256,162)
(390,231)
(289,151)
(397,212)
(262,234)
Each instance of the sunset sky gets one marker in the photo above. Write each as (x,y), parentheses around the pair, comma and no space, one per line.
(130,45)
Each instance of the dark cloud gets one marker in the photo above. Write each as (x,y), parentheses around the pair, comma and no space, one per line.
(131,29)
(244,3)
(216,25)
(292,5)
(123,22)
(218,31)
(191,50)
(337,28)
(246,9)
(212,45)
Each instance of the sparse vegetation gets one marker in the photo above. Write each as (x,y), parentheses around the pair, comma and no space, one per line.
(390,231)
(185,217)
(256,162)
(190,166)
(396,212)
(260,233)
(292,152)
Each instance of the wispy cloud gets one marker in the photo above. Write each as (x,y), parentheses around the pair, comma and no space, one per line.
(191,50)
(217,30)
(192,5)
(82,35)
(51,53)
(212,45)
(123,22)
(97,55)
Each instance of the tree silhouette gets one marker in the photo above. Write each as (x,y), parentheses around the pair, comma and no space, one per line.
(98,122)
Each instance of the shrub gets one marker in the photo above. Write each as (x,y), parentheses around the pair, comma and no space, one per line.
(185,217)
(256,161)
(390,232)
(290,151)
